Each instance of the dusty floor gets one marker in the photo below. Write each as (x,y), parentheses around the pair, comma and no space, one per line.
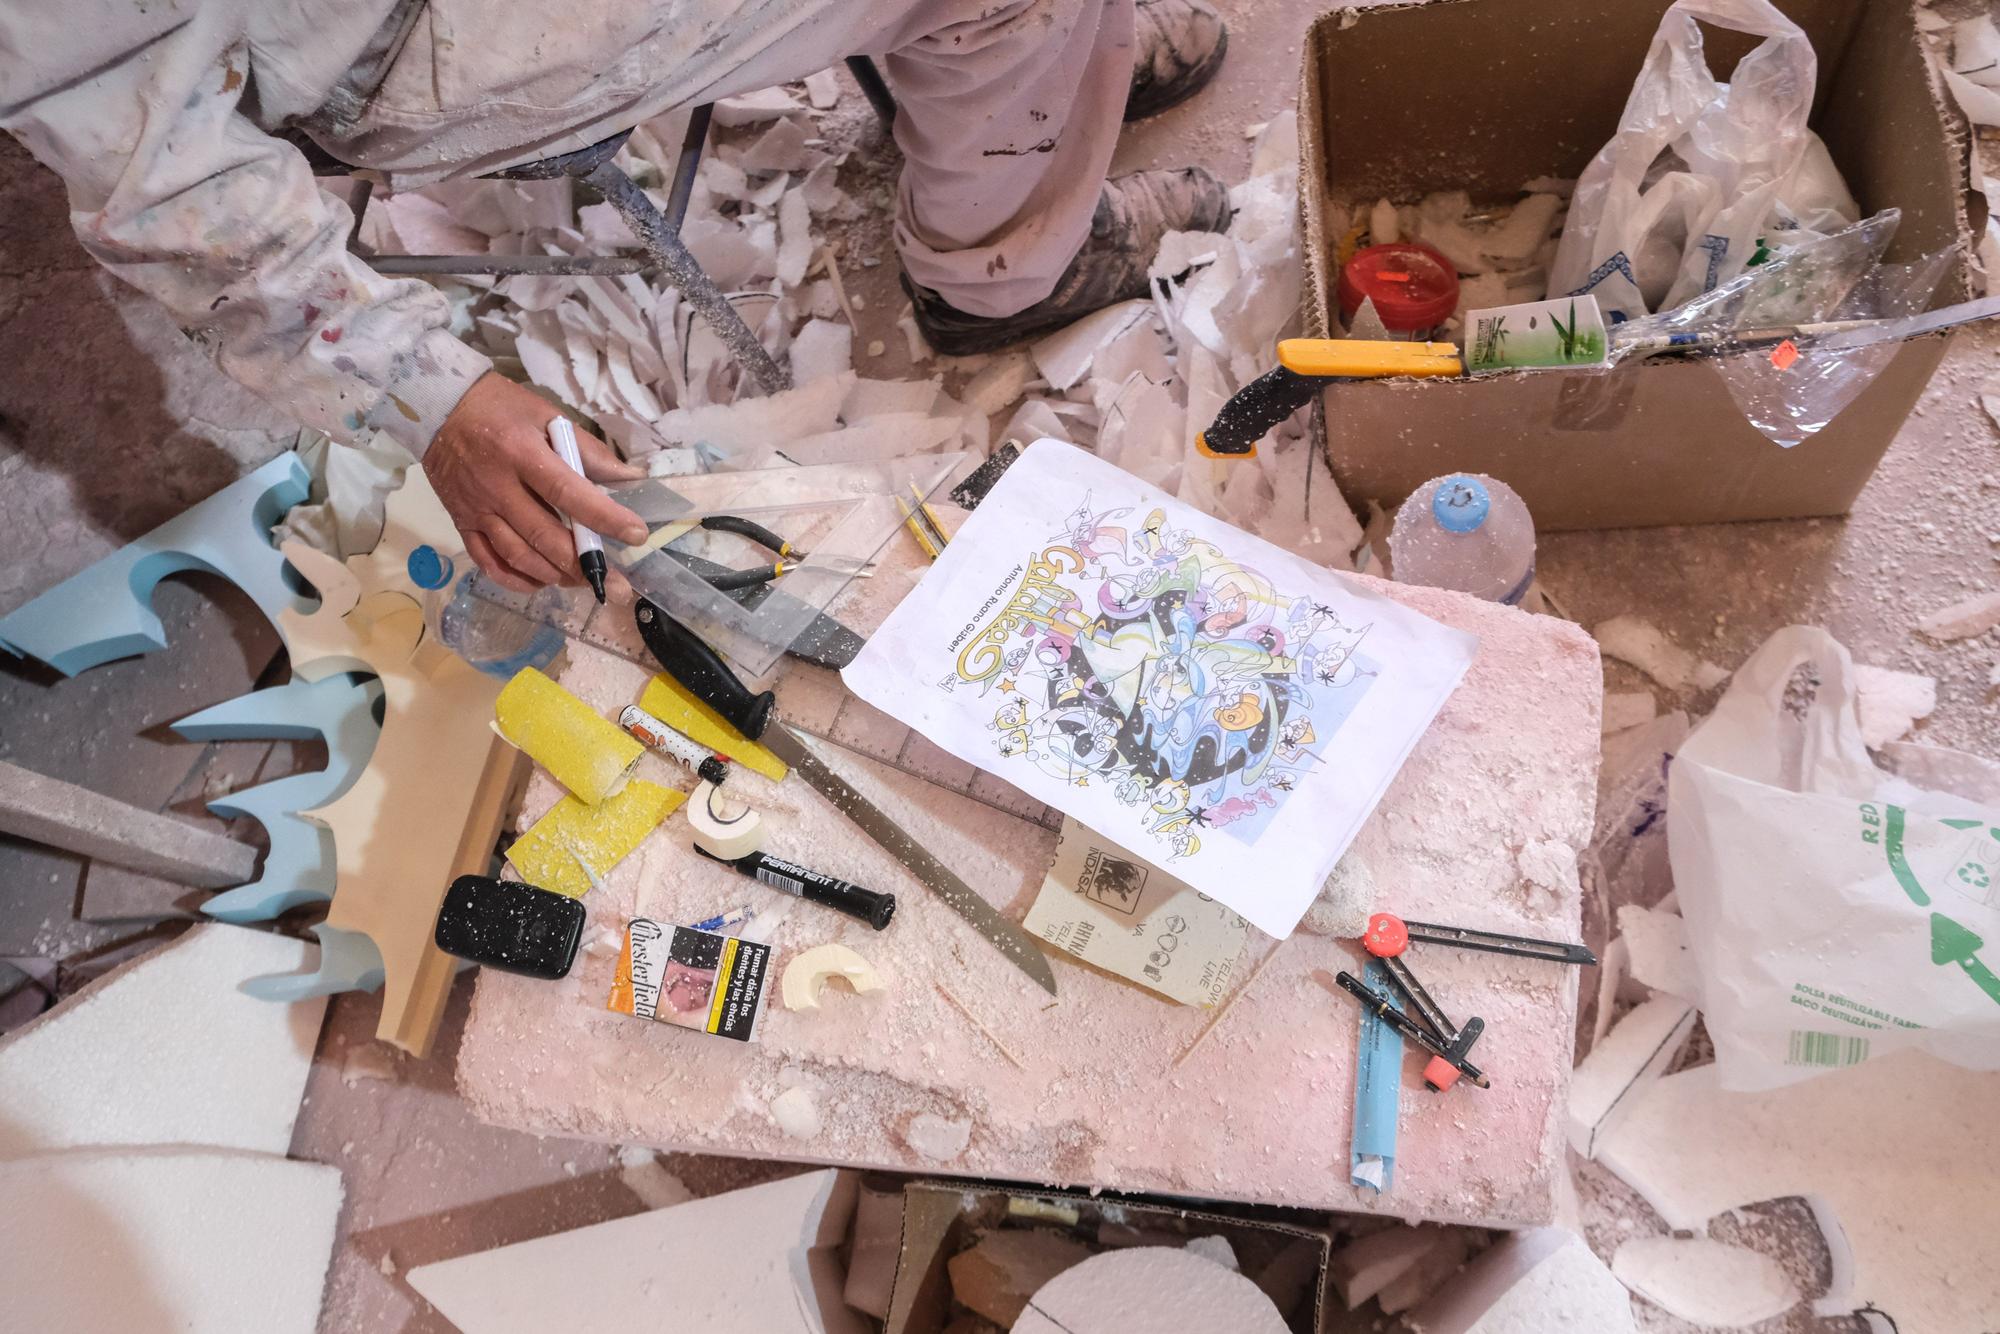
(109,423)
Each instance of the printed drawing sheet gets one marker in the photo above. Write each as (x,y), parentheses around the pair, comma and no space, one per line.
(1187,691)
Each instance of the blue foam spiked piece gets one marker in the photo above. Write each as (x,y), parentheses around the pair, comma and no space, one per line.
(105,612)
(348,961)
(299,868)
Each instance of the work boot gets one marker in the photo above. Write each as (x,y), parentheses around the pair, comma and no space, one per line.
(1133,213)
(1180,45)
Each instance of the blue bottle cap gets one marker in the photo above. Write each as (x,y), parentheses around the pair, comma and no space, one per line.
(428,568)
(1460,505)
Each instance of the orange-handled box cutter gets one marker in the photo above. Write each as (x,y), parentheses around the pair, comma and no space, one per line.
(1304,365)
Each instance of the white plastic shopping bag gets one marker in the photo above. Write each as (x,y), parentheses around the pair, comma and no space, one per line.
(1834,912)
(1701,172)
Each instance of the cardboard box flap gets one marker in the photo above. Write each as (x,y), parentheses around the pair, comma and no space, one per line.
(1898,140)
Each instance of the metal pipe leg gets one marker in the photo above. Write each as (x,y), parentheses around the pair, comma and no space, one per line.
(507,266)
(875,87)
(663,243)
(364,190)
(690,160)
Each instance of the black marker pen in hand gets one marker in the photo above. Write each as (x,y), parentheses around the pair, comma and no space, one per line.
(589,547)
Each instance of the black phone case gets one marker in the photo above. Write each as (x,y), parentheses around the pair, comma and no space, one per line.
(510,926)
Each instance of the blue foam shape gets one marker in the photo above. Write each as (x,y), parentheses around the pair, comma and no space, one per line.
(105,612)
(348,961)
(298,710)
(299,868)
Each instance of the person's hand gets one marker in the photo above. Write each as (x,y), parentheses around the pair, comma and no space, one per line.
(504,486)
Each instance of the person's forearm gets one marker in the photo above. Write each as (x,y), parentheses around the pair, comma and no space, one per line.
(177,192)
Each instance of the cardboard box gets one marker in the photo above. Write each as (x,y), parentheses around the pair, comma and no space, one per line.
(942,1218)
(1483,95)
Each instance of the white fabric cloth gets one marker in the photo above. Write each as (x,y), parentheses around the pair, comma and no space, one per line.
(161,118)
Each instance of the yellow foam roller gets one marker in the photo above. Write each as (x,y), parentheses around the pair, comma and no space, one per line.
(554,852)
(677,706)
(582,749)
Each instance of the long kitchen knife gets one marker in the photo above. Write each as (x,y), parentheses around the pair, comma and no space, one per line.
(1003,935)
(688,659)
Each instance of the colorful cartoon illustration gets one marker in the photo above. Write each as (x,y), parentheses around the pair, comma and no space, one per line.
(1147,660)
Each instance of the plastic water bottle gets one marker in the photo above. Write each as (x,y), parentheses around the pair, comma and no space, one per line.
(493,628)
(1466,532)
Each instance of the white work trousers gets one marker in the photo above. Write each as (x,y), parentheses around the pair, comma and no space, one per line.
(162,120)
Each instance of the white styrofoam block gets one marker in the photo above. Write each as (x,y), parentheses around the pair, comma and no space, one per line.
(822,349)
(874,1249)
(755,1261)
(1161,1289)
(1658,944)
(1543,1281)
(1364,1267)
(1063,356)
(165,1241)
(1642,1045)
(1705,1282)
(166,1050)
(1897,1156)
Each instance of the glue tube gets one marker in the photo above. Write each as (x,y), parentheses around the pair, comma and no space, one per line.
(805,883)
(656,735)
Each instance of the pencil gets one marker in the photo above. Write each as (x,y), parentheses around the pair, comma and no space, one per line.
(917,529)
(930,518)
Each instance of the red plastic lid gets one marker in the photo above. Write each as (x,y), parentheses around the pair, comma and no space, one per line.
(1387,936)
(1413,286)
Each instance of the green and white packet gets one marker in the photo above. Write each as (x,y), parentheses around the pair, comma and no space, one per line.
(1536,335)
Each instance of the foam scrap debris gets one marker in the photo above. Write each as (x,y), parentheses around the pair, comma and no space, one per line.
(796,1112)
(1891,702)
(1623,709)
(647,1177)
(1658,947)
(1705,1282)
(1642,645)
(1963,620)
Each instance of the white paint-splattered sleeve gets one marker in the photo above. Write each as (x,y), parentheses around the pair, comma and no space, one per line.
(179,193)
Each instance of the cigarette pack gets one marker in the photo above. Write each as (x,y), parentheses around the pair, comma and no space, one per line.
(695,979)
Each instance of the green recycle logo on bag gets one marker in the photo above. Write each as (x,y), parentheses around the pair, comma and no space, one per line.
(1952,942)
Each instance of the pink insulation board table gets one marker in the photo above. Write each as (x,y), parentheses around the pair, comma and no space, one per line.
(961,1065)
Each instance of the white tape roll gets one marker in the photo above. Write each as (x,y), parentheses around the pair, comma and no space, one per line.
(723,827)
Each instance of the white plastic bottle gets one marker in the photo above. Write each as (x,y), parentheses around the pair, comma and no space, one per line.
(496,630)
(1467,532)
